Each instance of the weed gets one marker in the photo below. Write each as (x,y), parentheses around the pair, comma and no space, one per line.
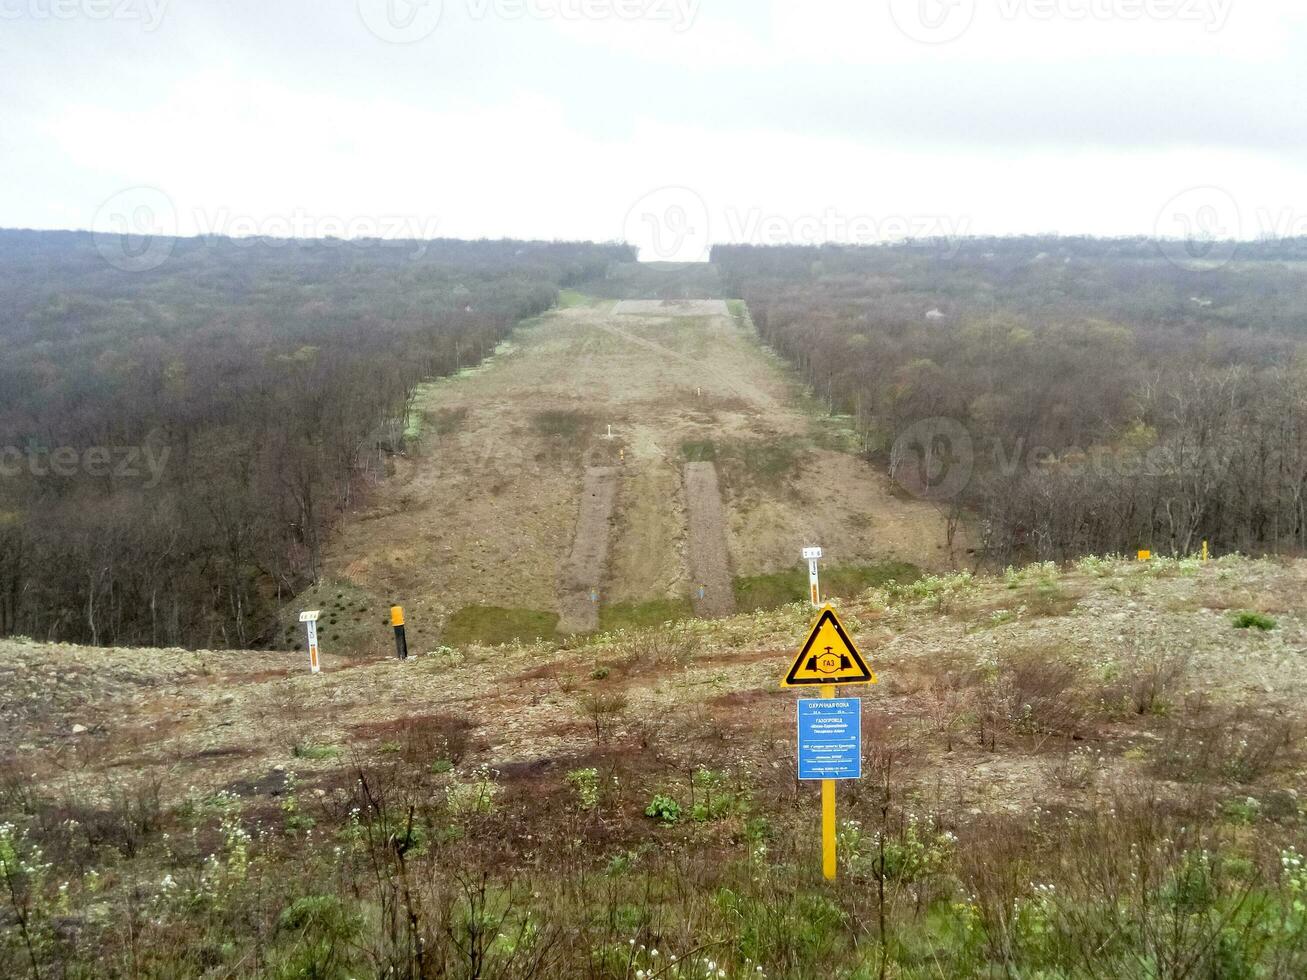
(664,809)
(938,592)
(1253,620)
(586,784)
(771,591)
(472,795)
(315,753)
(602,711)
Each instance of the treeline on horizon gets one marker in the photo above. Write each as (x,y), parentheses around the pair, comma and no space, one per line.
(261,385)
(1115,394)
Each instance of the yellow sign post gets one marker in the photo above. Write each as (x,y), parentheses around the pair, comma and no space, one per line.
(1145,555)
(401,640)
(827,659)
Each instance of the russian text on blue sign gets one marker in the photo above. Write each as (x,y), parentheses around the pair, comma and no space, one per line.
(830,738)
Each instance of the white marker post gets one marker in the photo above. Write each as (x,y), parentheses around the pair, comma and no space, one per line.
(814,589)
(310,620)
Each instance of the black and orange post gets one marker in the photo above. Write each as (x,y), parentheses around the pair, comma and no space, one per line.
(401,641)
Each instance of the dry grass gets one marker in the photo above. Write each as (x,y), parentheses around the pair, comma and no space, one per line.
(1015,778)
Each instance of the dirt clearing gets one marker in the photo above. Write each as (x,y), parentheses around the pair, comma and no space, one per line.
(493,507)
(584,576)
(710,566)
(678,307)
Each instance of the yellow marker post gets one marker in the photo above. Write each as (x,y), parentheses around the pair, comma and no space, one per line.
(828,811)
(401,640)
(1145,555)
(828,659)
(1205,551)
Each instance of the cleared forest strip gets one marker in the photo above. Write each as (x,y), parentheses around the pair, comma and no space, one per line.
(710,567)
(578,612)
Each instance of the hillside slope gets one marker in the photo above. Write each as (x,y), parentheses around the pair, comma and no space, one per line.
(211,717)
(1087,766)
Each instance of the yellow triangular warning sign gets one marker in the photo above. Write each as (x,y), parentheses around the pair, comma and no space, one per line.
(829,657)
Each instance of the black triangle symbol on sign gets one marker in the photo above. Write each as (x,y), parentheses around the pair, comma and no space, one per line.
(829,664)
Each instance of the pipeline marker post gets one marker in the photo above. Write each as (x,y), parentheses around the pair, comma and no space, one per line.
(401,641)
(1206,553)
(829,728)
(814,588)
(1145,555)
(310,621)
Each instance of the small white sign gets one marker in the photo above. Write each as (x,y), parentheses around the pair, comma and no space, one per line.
(811,553)
(311,616)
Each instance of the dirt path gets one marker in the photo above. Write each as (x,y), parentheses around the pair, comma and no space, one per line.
(493,506)
(583,578)
(710,566)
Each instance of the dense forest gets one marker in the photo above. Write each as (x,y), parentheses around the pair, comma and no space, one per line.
(175,443)
(1075,395)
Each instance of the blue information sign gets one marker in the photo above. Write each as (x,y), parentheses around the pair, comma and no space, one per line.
(830,738)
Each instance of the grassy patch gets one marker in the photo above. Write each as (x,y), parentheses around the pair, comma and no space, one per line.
(561,423)
(315,752)
(638,615)
(494,625)
(1253,620)
(568,298)
(753,592)
(704,451)
(756,462)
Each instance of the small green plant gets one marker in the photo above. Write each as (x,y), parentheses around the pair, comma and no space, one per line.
(1253,620)
(306,750)
(586,783)
(599,674)
(939,592)
(473,796)
(1242,810)
(664,809)
(292,819)
(714,798)
(441,766)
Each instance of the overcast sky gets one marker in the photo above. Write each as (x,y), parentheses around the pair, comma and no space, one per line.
(672,123)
